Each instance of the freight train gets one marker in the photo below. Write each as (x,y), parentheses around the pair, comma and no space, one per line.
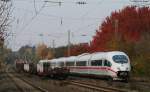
(113,65)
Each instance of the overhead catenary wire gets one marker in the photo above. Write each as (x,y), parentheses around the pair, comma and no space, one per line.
(141,3)
(38,12)
(93,9)
(35,7)
(61,18)
(27,24)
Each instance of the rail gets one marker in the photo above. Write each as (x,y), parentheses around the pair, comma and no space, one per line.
(25,81)
(95,87)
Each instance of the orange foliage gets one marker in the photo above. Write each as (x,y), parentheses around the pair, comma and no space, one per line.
(132,22)
(78,49)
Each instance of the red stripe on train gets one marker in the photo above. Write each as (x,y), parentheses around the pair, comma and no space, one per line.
(97,68)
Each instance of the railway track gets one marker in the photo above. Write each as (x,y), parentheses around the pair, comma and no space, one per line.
(24,85)
(95,87)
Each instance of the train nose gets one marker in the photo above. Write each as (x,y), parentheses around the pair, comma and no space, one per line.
(123,74)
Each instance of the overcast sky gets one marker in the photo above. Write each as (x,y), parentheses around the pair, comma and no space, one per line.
(42,22)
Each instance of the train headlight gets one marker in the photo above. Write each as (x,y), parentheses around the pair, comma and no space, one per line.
(119,68)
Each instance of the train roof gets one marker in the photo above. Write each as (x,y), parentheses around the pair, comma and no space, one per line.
(84,57)
(115,52)
(71,59)
(42,61)
(62,59)
(100,55)
(53,60)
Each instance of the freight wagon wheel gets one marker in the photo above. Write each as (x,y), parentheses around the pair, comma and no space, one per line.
(51,75)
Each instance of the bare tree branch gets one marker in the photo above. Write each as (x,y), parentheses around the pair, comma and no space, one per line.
(5,11)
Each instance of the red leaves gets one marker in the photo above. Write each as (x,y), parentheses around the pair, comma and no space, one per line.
(119,31)
(132,22)
(78,49)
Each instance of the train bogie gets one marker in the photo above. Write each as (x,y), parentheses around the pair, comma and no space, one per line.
(60,73)
(57,69)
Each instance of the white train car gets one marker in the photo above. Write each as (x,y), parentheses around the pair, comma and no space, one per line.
(61,62)
(53,63)
(114,65)
(57,68)
(43,67)
(26,67)
(82,63)
(70,63)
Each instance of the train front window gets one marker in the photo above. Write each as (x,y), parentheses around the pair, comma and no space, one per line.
(107,63)
(120,59)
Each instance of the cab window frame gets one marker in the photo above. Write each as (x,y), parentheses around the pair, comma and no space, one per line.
(107,63)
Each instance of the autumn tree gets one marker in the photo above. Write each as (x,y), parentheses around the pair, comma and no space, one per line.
(27,53)
(126,24)
(60,51)
(77,49)
(50,55)
(126,30)
(5,10)
(43,52)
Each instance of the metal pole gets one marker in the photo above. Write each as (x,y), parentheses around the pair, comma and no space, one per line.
(53,46)
(68,42)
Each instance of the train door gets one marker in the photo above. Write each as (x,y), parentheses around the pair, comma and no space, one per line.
(107,66)
(96,67)
(82,67)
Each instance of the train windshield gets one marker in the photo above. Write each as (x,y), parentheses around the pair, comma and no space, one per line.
(120,59)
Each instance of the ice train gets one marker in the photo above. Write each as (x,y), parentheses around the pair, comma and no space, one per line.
(112,65)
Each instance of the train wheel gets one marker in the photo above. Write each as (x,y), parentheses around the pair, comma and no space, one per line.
(126,80)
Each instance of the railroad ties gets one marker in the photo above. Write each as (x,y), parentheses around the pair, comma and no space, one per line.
(24,85)
(95,87)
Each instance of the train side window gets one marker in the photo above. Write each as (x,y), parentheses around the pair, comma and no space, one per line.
(62,64)
(53,64)
(107,63)
(69,63)
(46,64)
(96,63)
(81,63)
